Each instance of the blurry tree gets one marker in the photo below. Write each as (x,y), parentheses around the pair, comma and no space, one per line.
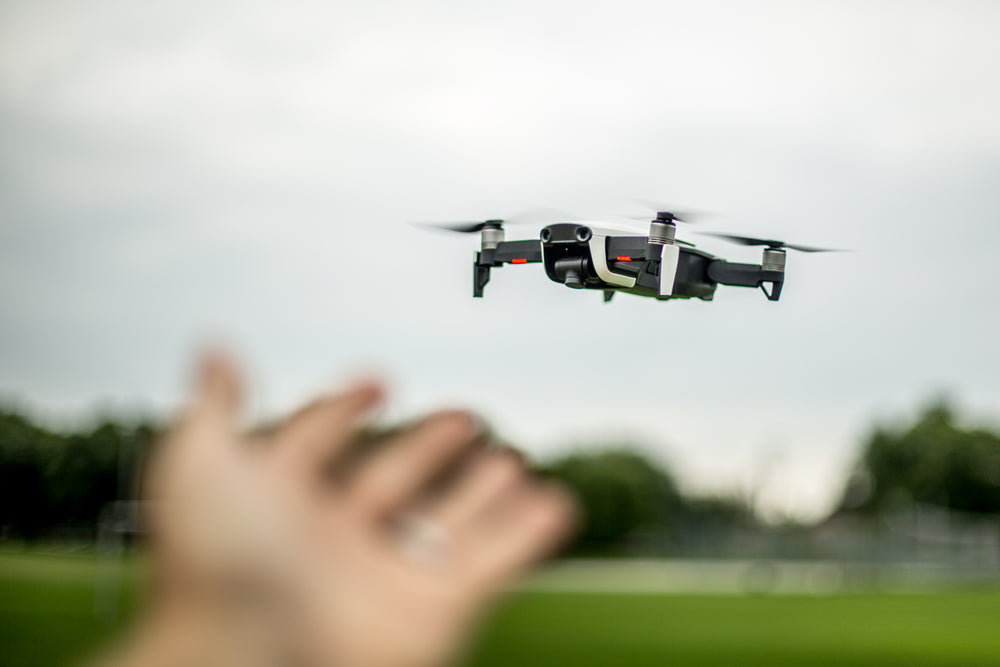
(49,480)
(719,512)
(624,497)
(933,461)
(25,506)
(84,474)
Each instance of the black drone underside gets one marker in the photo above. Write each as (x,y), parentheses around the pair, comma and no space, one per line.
(658,265)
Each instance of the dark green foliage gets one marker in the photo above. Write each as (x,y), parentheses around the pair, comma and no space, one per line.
(85,473)
(25,501)
(61,481)
(933,461)
(621,493)
(719,511)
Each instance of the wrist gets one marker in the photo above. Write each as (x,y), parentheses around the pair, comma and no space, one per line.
(206,630)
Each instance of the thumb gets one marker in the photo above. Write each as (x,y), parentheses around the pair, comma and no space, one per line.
(218,388)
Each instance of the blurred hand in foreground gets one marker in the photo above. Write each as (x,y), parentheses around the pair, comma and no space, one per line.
(284,548)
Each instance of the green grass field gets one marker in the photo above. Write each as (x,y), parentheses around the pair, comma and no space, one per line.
(47,618)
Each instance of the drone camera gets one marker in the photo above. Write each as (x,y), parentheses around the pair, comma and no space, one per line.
(566,254)
(572,271)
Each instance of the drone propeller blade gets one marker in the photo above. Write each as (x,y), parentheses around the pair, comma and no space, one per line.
(771,243)
(806,248)
(530,216)
(461,227)
(740,240)
(656,207)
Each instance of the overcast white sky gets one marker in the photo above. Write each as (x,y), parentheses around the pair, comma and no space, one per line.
(172,172)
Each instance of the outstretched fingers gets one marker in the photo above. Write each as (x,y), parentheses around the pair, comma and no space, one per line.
(308,440)
(483,482)
(404,467)
(526,524)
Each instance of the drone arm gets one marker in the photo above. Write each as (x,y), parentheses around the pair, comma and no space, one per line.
(737,275)
(518,252)
(746,275)
(506,252)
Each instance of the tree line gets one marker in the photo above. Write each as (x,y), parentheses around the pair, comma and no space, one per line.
(54,483)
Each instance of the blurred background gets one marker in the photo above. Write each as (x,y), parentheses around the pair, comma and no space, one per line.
(173,173)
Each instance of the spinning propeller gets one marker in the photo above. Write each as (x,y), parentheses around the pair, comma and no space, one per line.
(770,243)
(532,216)
(465,227)
(664,213)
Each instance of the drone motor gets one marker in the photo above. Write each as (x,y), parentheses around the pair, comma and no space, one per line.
(774,259)
(492,234)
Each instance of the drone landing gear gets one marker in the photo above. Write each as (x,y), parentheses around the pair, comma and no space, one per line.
(774,293)
(608,295)
(480,276)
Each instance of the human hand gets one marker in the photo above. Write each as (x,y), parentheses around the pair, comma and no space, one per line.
(377,565)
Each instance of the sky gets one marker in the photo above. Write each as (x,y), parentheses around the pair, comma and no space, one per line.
(175,174)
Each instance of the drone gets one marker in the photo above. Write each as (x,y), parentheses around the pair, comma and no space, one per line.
(583,255)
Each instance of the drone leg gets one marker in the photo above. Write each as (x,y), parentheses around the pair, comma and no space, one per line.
(608,295)
(480,276)
(775,292)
